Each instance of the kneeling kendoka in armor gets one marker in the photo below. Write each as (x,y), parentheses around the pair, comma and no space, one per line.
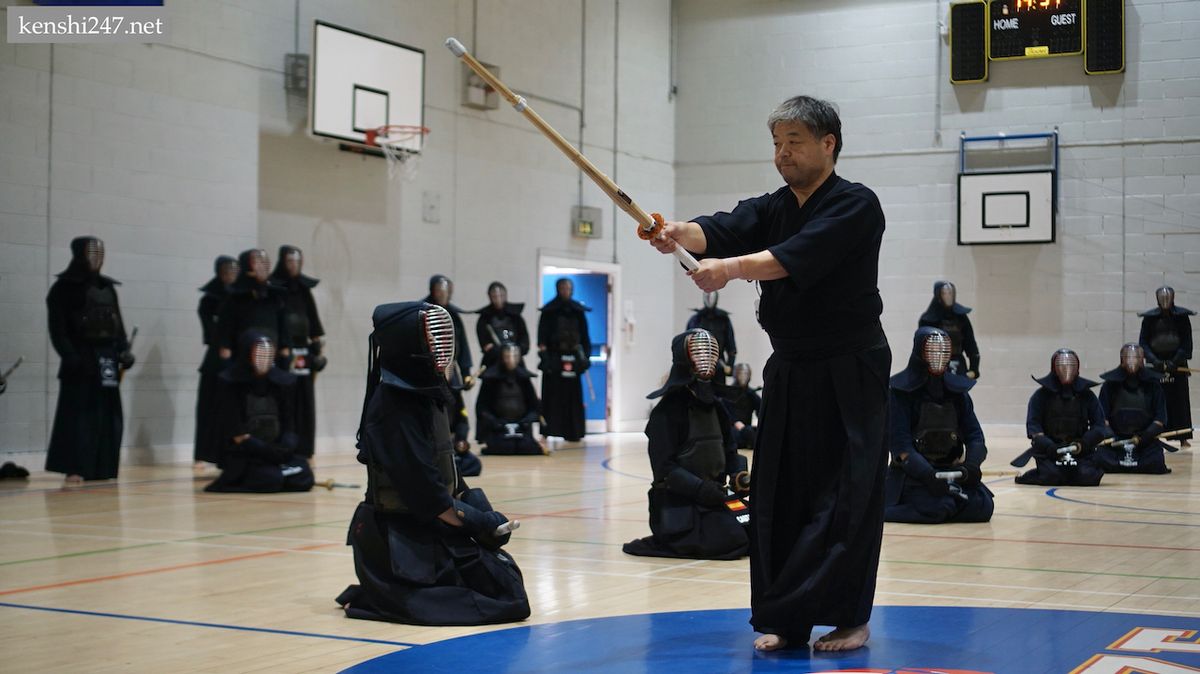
(945,313)
(507,406)
(1136,410)
(1166,339)
(258,431)
(937,445)
(692,514)
(743,404)
(427,550)
(1065,423)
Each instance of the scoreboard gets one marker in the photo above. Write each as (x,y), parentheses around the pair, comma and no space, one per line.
(1034,28)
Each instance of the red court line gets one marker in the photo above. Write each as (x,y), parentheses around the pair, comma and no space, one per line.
(163,569)
(1029,540)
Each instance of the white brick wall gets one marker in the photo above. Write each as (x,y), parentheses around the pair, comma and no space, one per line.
(1128,216)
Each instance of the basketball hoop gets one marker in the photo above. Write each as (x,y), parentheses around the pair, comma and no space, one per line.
(401,145)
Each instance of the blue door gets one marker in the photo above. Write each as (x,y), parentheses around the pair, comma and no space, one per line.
(591,290)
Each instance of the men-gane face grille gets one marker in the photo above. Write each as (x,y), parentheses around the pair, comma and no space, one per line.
(294,262)
(1065,365)
(1133,358)
(948,294)
(1166,297)
(702,351)
(936,352)
(510,356)
(229,272)
(262,356)
(93,252)
(741,374)
(439,335)
(260,265)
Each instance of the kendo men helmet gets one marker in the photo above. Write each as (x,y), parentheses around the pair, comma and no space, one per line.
(947,293)
(93,252)
(439,289)
(703,352)
(741,374)
(935,351)
(261,355)
(497,295)
(1133,358)
(510,356)
(1065,366)
(1166,298)
(293,260)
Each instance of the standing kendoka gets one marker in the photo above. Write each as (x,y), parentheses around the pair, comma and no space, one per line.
(693,458)
(426,547)
(1166,339)
(304,332)
(207,445)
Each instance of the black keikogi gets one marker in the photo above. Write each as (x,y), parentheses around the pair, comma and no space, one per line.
(256,424)
(935,430)
(254,303)
(441,290)
(1136,409)
(499,322)
(945,313)
(425,546)
(565,349)
(207,445)
(742,403)
(692,457)
(302,325)
(716,321)
(88,334)
(1166,338)
(507,406)
(821,451)
(1064,423)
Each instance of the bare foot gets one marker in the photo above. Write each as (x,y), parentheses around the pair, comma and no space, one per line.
(73,481)
(1184,444)
(844,639)
(770,642)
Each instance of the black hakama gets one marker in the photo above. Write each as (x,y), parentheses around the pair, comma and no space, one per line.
(207,444)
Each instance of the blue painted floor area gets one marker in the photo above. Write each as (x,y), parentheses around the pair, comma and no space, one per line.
(905,640)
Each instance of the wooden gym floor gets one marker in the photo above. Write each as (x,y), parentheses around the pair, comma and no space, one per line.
(149,573)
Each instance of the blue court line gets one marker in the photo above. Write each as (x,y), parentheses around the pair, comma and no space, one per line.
(606,465)
(192,623)
(1053,493)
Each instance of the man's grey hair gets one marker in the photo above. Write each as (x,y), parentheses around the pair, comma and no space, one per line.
(821,118)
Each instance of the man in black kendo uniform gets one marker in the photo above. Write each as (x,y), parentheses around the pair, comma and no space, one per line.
(937,445)
(813,245)
(507,406)
(1166,339)
(254,303)
(1136,410)
(441,290)
(565,349)
(88,333)
(256,424)
(716,322)
(208,443)
(10,470)
(1064,423)
(427,549)
(500,322)
(742,403)
(944,312)
(305,332)
(693,458)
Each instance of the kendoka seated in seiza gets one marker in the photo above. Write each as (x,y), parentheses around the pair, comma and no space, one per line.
(937,446)
(257,429)
(427,549)
(1064,423)
(507,406)
(692,457)
(1136,409)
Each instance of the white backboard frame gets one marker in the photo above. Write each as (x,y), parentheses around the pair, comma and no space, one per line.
(1006,207)
(360,81)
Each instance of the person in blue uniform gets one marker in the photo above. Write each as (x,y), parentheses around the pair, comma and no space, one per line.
(717,322)
(813,246)
(88,333)
(207,446)
(944,312)
(1136,409)
(743,404)
(1166,339)
(305,333)
(507,406)
(937,444)
(256,424)
(428,550)
(1064,423)
(693,460)
(564,349)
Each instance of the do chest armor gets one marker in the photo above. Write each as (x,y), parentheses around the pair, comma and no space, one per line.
(504,326)
(936,433)
(703,453)
(263,316)
(387,498)
(1063,419)
(99,320)
(743,407)
(262,417)
(953,327)
(566,332)
(295,319)
(510,400)
(1164,338)
(1130,410)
